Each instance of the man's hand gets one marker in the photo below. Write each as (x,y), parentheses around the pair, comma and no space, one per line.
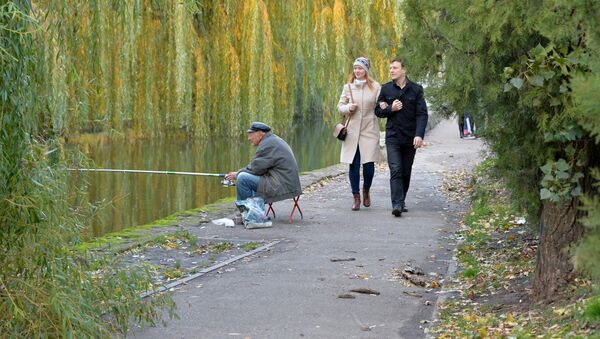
(396,105)
(231,175)
(418,142)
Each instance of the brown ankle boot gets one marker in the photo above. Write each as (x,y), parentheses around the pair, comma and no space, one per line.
(356,205)
(366,198)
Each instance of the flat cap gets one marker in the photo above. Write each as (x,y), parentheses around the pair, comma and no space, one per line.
(258,126)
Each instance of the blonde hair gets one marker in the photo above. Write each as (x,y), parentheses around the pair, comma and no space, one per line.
(370,80)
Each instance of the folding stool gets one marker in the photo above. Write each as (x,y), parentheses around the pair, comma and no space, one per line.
(296,206)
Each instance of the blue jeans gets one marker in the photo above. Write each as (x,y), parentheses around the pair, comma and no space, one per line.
(246,185)
(354,173)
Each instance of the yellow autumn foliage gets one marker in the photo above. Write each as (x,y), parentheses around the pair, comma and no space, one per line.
(150,68)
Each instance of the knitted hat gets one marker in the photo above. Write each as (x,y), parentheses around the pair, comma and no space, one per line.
(362,62)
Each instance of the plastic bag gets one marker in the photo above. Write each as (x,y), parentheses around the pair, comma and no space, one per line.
(253,212)
(224,222)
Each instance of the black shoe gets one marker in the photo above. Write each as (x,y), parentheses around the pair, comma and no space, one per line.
(397,211)
(404,210)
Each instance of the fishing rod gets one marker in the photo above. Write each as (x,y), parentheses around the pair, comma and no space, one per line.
(225,182)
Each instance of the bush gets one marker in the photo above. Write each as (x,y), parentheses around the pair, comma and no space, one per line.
(46,291)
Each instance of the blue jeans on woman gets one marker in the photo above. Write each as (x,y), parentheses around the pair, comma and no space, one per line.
(246,185)
(354,173)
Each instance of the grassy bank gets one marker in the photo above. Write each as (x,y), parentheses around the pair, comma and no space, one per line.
(139,235)
(490,293)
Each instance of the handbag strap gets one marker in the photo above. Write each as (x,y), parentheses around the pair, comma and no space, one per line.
(350,90)
(352,101)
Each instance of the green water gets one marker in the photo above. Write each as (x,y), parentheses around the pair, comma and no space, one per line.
(131,199)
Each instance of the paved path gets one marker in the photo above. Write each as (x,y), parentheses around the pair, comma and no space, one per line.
(291,291)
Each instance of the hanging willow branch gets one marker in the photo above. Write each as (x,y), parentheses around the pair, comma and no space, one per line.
(194,67)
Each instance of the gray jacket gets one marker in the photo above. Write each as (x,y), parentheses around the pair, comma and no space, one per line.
(274,162)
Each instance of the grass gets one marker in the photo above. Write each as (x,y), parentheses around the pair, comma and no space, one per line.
(136,233)
(220,247)
(496,264)
(173,273)
(250,246)
(592,309)
(140,234)
(175,239)
(470,272)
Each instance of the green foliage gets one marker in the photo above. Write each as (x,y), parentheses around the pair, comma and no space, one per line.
(154,68)
(592,309)
(45,291)
(531,74)
(587,254)
(558,182)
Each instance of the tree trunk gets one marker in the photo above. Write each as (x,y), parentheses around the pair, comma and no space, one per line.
(560,231)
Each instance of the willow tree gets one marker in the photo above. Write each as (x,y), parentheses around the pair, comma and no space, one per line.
(520,67)
(46,290)
(154,68)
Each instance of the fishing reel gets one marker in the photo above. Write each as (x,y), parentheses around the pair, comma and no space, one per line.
(227,182)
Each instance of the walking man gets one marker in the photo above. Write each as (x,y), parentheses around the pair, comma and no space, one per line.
(401,102)
(273,172)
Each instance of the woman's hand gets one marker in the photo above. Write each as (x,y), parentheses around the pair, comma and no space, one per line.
(396,105)
(383,105)
(353,107)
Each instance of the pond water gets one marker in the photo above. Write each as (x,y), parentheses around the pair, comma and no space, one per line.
(131,199)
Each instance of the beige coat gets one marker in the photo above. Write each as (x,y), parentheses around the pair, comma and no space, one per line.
(363,128)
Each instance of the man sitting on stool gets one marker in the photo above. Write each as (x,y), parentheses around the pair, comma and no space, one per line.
(273,172)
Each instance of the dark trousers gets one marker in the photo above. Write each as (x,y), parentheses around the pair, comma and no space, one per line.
(400,160)
(354,173)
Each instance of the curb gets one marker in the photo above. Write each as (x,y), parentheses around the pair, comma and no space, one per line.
(182,281)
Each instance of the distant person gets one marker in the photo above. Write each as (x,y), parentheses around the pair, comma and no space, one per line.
(273,172)
(466,126)
(361,145)
(401,102)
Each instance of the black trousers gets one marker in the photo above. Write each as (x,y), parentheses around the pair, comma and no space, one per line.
(400,160)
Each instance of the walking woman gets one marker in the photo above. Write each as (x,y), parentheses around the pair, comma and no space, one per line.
(361,146)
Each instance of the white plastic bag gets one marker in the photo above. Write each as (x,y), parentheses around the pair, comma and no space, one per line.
(253,212)
(224,222)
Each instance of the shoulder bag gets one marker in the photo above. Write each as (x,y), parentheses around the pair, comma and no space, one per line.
(341,131)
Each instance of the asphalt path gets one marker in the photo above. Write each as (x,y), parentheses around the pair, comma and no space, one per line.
(293,289)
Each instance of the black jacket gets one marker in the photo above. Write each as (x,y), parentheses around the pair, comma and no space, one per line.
(404,125)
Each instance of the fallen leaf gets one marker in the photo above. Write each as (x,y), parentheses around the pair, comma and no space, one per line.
(364,291)
(341,259)
(412,294)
